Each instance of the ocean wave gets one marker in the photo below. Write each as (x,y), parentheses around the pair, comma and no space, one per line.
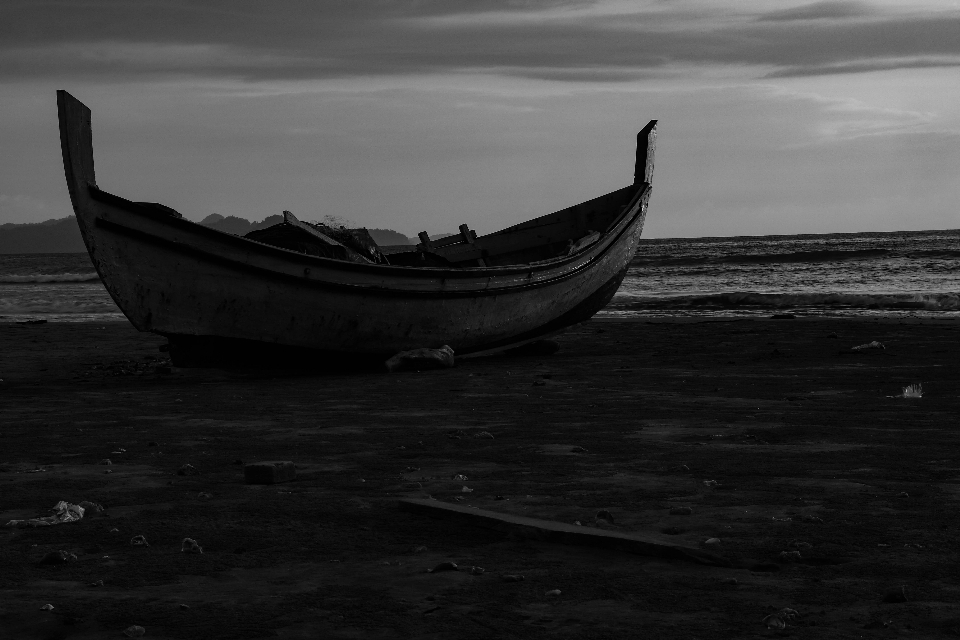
(763,258)
(34,278)
(748,299)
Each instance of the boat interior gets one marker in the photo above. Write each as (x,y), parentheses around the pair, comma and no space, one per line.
(553,236)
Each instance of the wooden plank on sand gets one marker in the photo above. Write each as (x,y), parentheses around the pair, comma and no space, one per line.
(549,531)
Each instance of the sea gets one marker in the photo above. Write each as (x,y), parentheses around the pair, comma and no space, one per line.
(899,274)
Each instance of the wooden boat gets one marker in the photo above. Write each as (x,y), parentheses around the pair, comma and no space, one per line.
(213,294)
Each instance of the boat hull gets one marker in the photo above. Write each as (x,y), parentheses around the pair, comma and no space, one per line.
(194,284)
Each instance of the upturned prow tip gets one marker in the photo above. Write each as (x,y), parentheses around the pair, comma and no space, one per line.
(76,140)
(646,146)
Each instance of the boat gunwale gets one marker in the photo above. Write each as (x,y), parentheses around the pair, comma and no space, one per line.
(483,289)
(593,253)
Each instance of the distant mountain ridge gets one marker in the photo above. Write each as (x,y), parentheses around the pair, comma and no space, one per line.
(63,235)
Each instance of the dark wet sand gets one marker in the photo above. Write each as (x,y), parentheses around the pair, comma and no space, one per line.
(769,409)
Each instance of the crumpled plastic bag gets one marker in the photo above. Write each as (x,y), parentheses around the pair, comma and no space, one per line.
(63,512)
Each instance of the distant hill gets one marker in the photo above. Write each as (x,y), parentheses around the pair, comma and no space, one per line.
(52,236)
(63,235)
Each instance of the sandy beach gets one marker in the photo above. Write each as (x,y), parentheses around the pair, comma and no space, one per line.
(774,433)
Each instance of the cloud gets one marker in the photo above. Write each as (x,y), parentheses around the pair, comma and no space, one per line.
(547,39)
(821,10)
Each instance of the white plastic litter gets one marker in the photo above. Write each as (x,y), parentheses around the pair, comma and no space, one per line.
(63,512)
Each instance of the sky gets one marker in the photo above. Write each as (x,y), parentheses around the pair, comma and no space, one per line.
(775,116)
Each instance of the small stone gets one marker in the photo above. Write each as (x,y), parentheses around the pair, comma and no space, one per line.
(184,607)
(603,514)
(552,592)
(711,542)
(730,581)
(811,519)
(134,631)
(139,541)
(511,577)
(789,556)
(798,544)
(187,470)
(444,566)
(710,483)
(105,461)
(420,549)
(46,607)
(484,434)
(681,511)
(189,545)
(98,583)
(773,621)
(578,449)
(788,614)
(203,495)
(460,478)
(476,571)
(466,489)
(153,444)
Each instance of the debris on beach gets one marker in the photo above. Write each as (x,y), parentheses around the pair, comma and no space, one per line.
(139,541)
(106,461)
(711,542)
(913,391)
(552,592)
(476,571)
(460,478)
(134,631)
(420,359)
(868,346)
(46,607)
(789,556)
(420,549)
(484,435)
(187,470)
(512,577)
(444,566)
(63,512)
(190,545)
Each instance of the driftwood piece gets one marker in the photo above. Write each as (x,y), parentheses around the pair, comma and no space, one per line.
(549,531)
